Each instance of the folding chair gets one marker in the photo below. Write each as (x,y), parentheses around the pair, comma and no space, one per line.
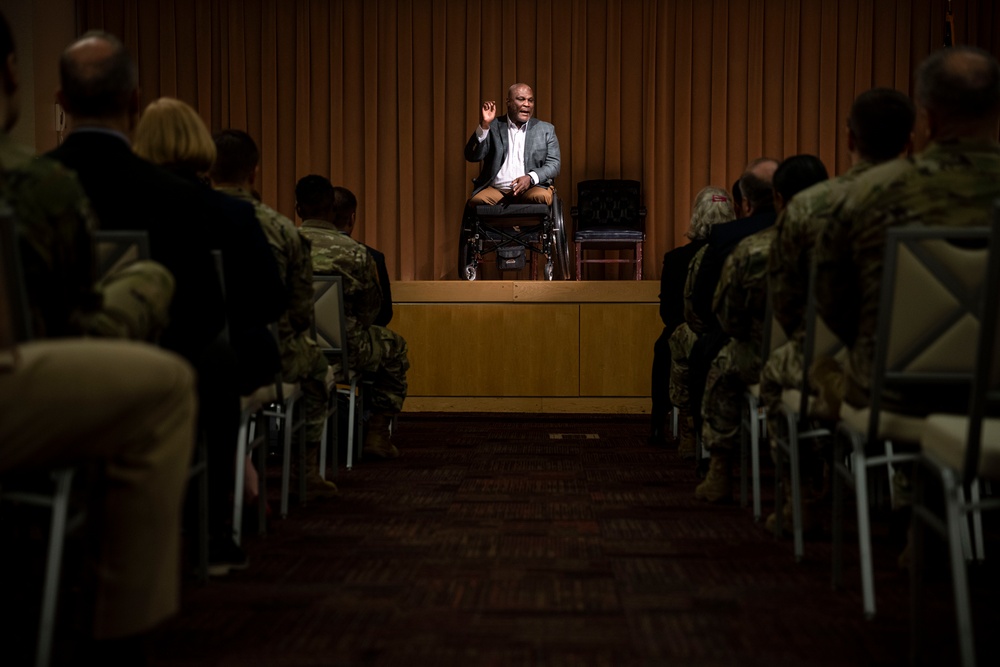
(796,409)
(925,336)
(754,421)
(961,450)
(276,401)
(331,335)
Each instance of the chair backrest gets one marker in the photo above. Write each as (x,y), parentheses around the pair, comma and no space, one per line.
(933,280)
(986,383)
(329,319)
(609,204)
(15,318)
(115,249)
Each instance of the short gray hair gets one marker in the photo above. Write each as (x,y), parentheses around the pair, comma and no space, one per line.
(711,206)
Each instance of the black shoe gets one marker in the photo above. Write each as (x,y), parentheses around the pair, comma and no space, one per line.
(224,556)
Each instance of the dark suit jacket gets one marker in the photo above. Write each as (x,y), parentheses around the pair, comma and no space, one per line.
(128,192)
(255,293)
(385,312)
(672,280)
(541,152)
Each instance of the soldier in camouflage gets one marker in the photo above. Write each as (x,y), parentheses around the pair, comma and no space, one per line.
(712,205)
(328,216)
(879,129)
(739,305)
(233,173)
(952,180)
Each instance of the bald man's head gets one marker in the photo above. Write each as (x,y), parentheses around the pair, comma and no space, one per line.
(960,85)
(756,185)
(97,77)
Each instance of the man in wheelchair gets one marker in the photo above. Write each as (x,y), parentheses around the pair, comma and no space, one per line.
(520,160)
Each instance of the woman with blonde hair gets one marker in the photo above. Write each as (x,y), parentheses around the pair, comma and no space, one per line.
(711,206)
(171,134)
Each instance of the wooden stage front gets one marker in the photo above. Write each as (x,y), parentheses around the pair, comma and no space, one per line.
(531,346)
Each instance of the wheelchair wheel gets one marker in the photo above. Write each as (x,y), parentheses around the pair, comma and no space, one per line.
(560,246)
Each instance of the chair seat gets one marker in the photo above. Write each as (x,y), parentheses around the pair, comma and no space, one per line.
(512,211)
(892,425)
(629,235)
(944,438)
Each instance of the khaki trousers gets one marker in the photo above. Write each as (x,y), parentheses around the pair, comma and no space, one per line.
(490,195)
(130,406)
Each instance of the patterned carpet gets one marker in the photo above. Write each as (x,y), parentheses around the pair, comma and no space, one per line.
(509,540)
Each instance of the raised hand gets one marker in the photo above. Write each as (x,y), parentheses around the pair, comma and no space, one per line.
(487,113)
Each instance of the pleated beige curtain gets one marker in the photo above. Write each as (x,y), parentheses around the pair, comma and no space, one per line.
(381,95)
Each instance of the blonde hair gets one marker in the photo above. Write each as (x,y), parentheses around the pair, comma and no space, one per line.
(172,134)
(711,206)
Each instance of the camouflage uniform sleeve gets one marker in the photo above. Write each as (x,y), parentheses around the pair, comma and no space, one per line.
(690,313)
(837,287)
(733,293)
(300,311)
(786,281)
(370,300)
(58,256)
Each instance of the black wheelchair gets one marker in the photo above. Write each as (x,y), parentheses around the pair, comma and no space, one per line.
(513,232)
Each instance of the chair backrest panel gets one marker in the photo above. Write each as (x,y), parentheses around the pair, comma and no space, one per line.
(929,309)
(116,249)
(609,204)
(330,318)
(935,323)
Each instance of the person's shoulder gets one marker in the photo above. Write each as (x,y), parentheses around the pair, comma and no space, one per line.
(46,183)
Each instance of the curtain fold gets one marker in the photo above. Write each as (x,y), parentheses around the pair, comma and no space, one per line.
(381,95)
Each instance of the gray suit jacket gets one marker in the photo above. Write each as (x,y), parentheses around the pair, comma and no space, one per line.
(541,152)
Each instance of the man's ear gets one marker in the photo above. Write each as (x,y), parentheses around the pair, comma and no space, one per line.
(256,174)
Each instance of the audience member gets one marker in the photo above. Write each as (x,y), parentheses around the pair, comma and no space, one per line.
(739,306)
(328,214)
(172,135)
(233,173)
(879,128)
(126,406)
(952,180)
(519,153)
(98,90)
(711,206)
(758,214)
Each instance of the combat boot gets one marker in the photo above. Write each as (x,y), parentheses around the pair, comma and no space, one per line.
(717,486)
(377,439)
(316,486)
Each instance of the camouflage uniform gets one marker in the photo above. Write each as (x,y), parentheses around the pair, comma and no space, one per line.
(788,279)
(681,341)
(739,305)
(301,359)
(371,349)
(57,258)
(951,183)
